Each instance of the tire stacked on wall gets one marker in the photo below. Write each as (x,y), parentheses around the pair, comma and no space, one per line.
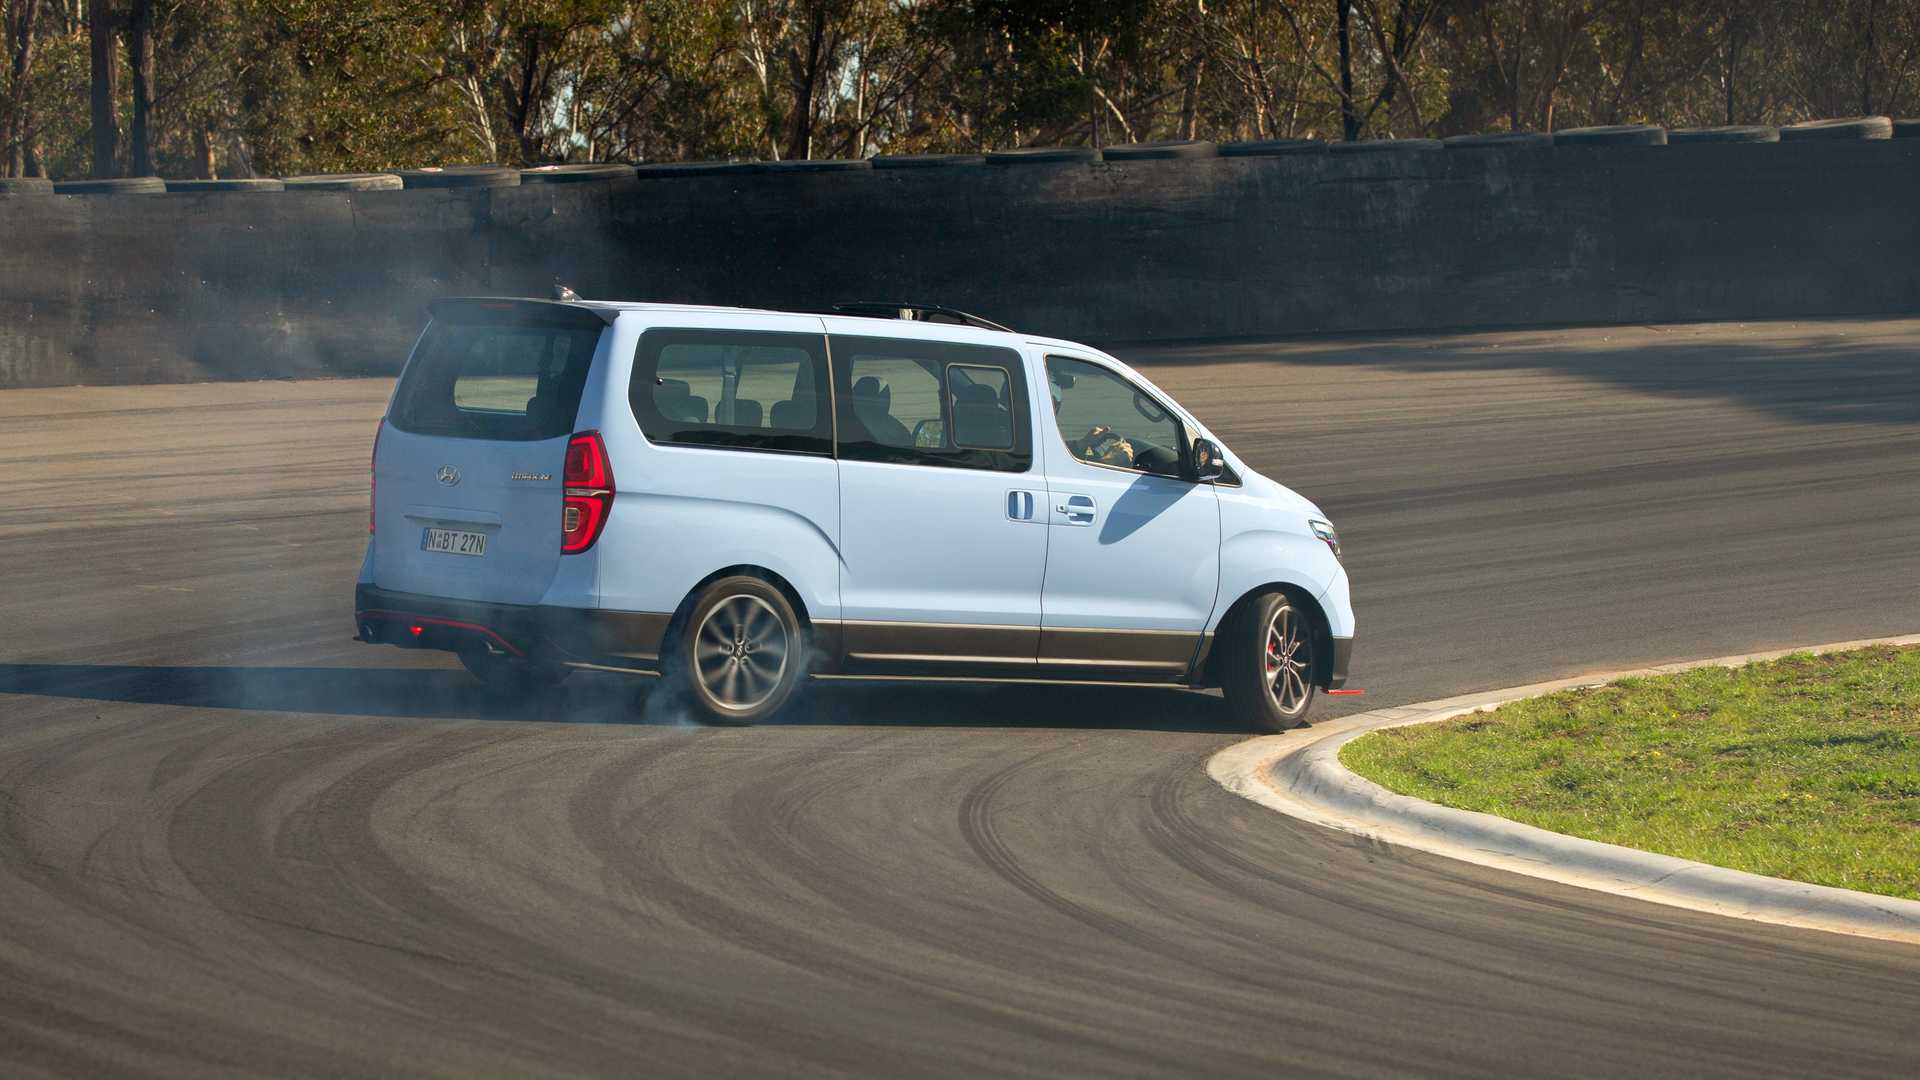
(460,176)
(1181,150)
(1612,135)
(190,187)
(1735,133)
(345,182)
(587,173)
(1847,129)
(1273,148)
(131,185)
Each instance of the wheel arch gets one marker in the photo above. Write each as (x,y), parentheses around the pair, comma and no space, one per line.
(679,620)
(1297,594)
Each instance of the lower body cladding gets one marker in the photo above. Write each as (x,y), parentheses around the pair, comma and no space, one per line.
(633,641)
(620,639)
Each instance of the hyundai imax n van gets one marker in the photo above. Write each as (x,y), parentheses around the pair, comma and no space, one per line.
(741,500)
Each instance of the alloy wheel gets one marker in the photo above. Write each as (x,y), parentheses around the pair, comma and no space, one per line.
(1289,660)
(740,653)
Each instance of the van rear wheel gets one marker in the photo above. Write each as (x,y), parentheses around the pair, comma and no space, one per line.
(1267,668)
(740,652)
(506,675)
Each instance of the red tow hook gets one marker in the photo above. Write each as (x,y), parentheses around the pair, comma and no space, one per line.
(1347,693)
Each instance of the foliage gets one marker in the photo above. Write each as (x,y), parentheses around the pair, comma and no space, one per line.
(1805,768)
(289,86)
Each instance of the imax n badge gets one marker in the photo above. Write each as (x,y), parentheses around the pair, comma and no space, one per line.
(449,475)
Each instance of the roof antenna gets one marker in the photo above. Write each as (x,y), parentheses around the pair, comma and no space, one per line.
(561,292)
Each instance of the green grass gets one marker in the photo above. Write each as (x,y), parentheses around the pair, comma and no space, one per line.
(1807,767)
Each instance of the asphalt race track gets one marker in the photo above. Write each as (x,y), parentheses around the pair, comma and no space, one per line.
(233,840)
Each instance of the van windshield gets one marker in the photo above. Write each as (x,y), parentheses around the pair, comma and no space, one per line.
(515,379)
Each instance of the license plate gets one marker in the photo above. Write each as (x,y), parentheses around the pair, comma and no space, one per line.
(453,542)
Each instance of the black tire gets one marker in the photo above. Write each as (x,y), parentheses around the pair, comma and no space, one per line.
(1846,129)
(132,185)
(810,165)
(1499,140)
(1273,148)
(345,182)
(1161,151)
(1385,146)
(739,653)
(508,676)
(927,161)
(670,169)
(459,176)
(1738,133)
(262,183)
(1045,155)
(1251,668)
(584,172)
(1612,135)
(1906,129)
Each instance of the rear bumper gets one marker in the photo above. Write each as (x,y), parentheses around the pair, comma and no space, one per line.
(532,632)
(1337,668)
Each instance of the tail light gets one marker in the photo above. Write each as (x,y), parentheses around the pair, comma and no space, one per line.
(373,475)
(588,479)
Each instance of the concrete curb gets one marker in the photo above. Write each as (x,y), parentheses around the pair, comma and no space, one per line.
(1298,773)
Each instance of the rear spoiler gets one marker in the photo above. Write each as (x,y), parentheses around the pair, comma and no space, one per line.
(519,310)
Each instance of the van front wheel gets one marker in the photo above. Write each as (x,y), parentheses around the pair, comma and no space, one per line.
(1267,668)
(740,652)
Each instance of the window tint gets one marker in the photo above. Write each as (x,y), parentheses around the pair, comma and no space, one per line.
(513,377)
(977,399)
(931,403)
(734,388)
(1106,420)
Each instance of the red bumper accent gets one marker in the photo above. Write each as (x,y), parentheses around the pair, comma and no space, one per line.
(378,615)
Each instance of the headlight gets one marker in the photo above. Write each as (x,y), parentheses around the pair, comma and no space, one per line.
(1324,530)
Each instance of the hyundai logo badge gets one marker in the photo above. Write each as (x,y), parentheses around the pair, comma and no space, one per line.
(449,475)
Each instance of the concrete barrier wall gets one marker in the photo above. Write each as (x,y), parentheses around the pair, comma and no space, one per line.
(182,287)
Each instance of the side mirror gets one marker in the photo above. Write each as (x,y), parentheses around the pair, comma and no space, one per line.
(1209,464)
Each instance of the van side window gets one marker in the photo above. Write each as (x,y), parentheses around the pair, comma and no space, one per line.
(976,399)
(733,388)
(911,402)
(1106,420)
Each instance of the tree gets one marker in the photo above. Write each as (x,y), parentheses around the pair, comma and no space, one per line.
(18,26)
(101,33)
(140,52)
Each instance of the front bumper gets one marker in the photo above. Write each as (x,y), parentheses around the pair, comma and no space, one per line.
(1337,664)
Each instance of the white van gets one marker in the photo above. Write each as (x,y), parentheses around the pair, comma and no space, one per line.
(740,499)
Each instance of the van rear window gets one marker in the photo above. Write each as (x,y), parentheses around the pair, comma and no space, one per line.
(501,378)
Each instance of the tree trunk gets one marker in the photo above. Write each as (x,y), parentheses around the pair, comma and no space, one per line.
(101,26)
(1733,62)
(806,82)
(1190,99)
(203,153)
(140,50)
(239,158)
(1349,116)
(523,106)
(1866,61)
(21,25)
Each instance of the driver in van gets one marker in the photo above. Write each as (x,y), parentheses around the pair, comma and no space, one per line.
(1101,443)
(1106,446)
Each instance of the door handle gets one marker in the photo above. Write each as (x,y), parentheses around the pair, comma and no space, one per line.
(1020,505)
(1076,509)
